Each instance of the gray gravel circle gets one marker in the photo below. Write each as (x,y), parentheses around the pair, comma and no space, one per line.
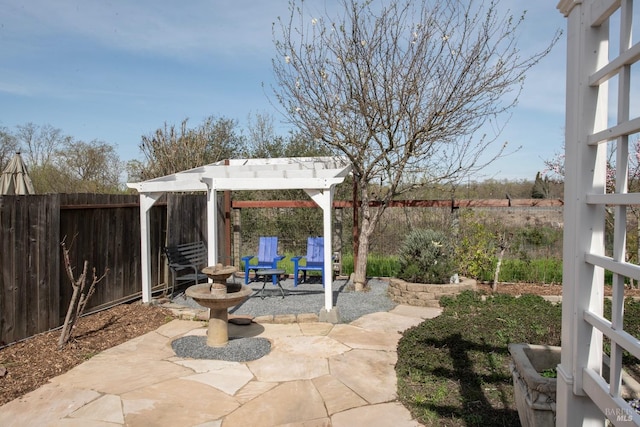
(237,349)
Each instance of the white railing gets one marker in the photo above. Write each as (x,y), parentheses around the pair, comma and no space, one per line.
(595,128)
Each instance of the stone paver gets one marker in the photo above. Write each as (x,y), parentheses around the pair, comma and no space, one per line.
(417,312)
(119,375)
(316,375)
(386,322)
(319,328)
(386,414)
(41,406)
(370,374)
(337,396)
(107,408)
(228,379)
(280,367)
(309,346)
(293,402)
(176,402)
(356,337)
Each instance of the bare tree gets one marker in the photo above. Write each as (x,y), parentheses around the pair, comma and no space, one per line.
(169,150)
(91,167)
(79,298)
(263,141)
(40,143)
(401,90)
(8,147)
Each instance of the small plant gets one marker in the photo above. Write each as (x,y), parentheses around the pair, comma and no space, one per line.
(426,256)
(549,373)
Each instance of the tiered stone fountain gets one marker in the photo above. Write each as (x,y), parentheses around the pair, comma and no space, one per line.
(218,297)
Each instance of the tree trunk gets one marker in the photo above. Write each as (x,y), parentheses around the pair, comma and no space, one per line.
(494,288)
(367,225)
(360,269)
(79,298)
(69,320)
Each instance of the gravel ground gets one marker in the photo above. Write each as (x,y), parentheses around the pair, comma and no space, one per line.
(309,298)
(305,298)
(237,350)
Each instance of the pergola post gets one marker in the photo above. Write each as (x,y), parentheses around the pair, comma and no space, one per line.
(212,222)
(147,200)
(324,199)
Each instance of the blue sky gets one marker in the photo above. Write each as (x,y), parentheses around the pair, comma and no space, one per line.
(117,70)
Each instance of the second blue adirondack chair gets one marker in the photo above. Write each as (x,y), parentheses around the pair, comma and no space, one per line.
(267,257)
(314,260)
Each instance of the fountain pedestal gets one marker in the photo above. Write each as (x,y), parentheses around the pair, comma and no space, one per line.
(216,297)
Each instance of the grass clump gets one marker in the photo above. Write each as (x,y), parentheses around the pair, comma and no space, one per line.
(454,370)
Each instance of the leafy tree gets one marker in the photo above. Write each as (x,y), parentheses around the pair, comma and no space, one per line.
(540,188)
(263,141)
(401,90)
(169,150)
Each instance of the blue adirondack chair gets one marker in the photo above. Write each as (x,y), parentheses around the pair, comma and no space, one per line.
(267,257)
(314,260)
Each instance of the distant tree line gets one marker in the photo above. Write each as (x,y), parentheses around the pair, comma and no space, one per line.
(60,163)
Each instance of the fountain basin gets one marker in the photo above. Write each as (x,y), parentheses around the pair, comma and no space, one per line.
(202,295)
(217,299)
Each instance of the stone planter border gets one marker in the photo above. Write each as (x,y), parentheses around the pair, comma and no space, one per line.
(426,295)
(534,394)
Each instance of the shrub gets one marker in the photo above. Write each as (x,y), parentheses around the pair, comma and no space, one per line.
(475,248)
(426,256)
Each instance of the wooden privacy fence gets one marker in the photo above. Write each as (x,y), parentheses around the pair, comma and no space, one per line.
(103,229)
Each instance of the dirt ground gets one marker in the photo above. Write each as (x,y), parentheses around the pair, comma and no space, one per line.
(28,365)
(529,288)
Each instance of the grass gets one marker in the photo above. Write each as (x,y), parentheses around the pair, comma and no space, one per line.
(544,270)
(453,370)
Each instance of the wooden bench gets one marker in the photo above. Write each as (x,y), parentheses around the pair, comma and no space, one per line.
(186,262)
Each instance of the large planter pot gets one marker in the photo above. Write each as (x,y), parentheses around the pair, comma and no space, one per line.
(425,294)
(534,394)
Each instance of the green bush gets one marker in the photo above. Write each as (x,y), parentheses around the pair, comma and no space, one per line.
(426,256)
(475,247)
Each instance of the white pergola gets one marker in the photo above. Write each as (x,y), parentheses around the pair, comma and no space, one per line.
(317,176)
